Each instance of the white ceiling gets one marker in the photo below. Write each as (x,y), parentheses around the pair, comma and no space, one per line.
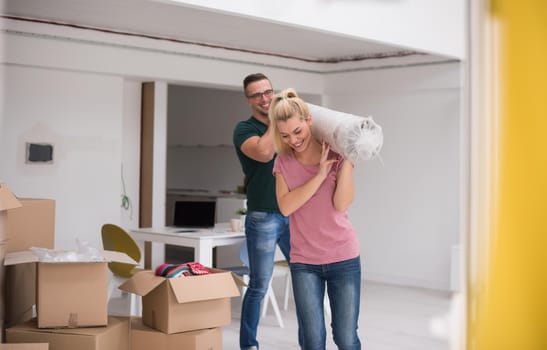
(205,27)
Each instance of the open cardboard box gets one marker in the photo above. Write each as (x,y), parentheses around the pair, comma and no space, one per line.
(70,294)
(183,304)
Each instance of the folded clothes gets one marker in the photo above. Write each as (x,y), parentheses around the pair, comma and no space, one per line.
(356,138)
(197,268)
(181,270)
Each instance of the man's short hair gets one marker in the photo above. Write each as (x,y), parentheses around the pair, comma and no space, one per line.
(251,78)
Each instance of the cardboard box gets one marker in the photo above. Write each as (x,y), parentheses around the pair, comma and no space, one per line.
(115,336)
(7,202)
(31,225)
(182,304)
(25,346)
(146,338)
(70,294)
(28,222)
(20,293)
(2,287)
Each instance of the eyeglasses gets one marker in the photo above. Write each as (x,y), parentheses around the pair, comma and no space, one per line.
(257,95)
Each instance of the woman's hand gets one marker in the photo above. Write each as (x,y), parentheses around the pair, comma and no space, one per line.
(291,200)
(325,164)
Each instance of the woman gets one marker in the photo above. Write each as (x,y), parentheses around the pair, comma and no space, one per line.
(314,187)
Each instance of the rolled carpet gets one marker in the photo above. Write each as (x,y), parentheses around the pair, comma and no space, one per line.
(356,138)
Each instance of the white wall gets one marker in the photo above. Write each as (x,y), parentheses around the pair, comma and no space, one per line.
(80,114)
(435,26)
(407,208)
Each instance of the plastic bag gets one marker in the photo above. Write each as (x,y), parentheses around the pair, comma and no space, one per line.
(84,253)
(356,138)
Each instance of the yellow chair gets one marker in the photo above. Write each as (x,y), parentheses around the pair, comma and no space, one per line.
(117,239)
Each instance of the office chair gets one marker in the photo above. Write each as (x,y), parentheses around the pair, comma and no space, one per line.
(115,238)
(243,271)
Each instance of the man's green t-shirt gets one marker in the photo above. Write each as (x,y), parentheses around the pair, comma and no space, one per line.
(260,180)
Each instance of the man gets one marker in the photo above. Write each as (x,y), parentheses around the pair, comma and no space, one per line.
(265,227)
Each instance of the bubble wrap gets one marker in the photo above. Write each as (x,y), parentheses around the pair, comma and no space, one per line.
(354,137)
(84,253)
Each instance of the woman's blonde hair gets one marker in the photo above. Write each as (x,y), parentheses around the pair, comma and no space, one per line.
(285,104)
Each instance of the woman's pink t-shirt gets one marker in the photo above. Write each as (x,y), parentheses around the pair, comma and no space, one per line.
(319,233)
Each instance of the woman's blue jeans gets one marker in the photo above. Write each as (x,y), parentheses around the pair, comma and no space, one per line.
(263,231)
(343,284)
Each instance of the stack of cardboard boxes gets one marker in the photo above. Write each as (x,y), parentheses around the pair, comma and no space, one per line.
(71,297)
(24,223)
(71,305)
(184,312)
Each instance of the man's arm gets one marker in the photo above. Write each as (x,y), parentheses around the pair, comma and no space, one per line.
(259,148)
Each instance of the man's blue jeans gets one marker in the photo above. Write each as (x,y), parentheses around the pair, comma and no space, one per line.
(264,231)
(343,283)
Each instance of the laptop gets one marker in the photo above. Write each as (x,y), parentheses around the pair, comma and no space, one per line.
(194,214)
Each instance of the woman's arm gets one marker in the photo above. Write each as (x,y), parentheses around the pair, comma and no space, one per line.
(344,192)
(290,201)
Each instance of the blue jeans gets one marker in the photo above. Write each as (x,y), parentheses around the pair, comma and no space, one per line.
(264,231)
(343,283)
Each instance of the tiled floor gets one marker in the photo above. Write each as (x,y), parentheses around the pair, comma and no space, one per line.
(391,318)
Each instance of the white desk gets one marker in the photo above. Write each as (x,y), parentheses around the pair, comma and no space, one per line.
(202,240)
